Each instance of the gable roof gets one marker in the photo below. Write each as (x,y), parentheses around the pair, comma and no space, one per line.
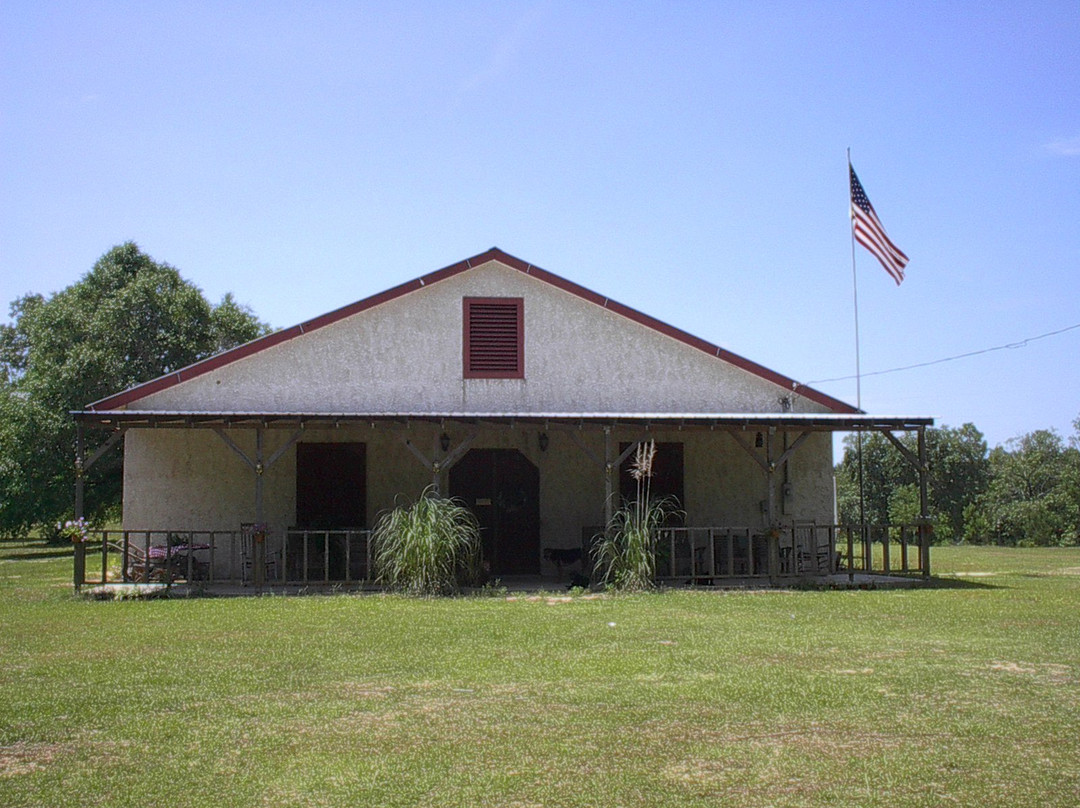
(211,363)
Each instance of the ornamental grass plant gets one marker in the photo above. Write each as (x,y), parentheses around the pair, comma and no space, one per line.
(624,556)
(430,547)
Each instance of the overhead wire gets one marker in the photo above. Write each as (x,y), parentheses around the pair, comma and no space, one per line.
(1008,346)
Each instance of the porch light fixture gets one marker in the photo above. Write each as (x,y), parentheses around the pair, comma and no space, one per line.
(759,440)
(543,441)
(444,442)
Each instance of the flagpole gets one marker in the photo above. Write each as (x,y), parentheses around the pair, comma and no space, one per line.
(858,364)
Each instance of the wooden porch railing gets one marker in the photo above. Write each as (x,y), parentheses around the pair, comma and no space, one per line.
(327,556)
(209,557)
(792,551)
(156,556)
(303,557)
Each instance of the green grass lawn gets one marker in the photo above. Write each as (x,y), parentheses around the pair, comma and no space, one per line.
(963,694)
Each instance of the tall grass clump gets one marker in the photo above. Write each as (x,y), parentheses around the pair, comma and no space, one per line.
(428,548)
(624,556)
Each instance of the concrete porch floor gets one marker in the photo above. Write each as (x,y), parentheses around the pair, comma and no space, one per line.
(510,584)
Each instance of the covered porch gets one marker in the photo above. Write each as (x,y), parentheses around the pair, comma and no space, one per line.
(752,496)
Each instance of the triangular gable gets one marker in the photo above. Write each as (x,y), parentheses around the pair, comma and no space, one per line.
(209,364)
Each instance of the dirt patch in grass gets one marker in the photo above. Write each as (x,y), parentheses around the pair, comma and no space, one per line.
(27,758)
(738,779)
(782,765)
(1048,672)
(364,691)
(832,741)
(552,600)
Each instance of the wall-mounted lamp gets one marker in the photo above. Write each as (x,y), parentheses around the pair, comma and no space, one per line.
(759,440)
(444,442)
(543,441)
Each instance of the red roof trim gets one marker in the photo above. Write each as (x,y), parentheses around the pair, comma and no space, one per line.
(494,254)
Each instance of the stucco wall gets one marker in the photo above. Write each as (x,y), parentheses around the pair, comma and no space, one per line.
(406,356)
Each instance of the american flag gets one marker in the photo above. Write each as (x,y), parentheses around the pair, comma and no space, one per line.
(870,233)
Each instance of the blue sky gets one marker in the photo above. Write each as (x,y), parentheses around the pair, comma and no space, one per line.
(687,159)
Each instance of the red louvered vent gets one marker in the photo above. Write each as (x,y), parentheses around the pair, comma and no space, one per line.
(493,338)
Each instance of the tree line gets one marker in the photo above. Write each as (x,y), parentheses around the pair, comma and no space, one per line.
(1025,493)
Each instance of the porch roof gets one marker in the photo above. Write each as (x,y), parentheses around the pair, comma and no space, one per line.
(820,422)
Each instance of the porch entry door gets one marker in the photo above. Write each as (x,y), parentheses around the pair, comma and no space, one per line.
(331,485)
(331,492)
(502,489)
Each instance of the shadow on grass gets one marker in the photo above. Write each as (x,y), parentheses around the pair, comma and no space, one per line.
(911,586)
(959,583)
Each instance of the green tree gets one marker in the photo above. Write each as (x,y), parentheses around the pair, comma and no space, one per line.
(959,473)
(1034,496)
(882,473)
(904,506)
(128,320)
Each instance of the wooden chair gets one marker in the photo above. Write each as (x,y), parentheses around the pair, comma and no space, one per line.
(813,557)
(135,566)
(139,569)
(271,558)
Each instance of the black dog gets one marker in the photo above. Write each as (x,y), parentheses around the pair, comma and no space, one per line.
(562,555)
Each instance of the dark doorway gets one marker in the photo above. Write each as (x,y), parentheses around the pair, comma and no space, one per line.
(667,475)
(502,488)
(331,485)
(331,492)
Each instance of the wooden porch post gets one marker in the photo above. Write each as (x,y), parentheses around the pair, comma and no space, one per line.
(773,534)
(259,542)
(258,467)
(921,465)
(924,506)
(770,471)
(436,466)
(609,471)
(770,467)
(79,571)
(612,464)
(80,449)
(82,464)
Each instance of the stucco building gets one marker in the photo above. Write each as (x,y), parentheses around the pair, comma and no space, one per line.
(500,383)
